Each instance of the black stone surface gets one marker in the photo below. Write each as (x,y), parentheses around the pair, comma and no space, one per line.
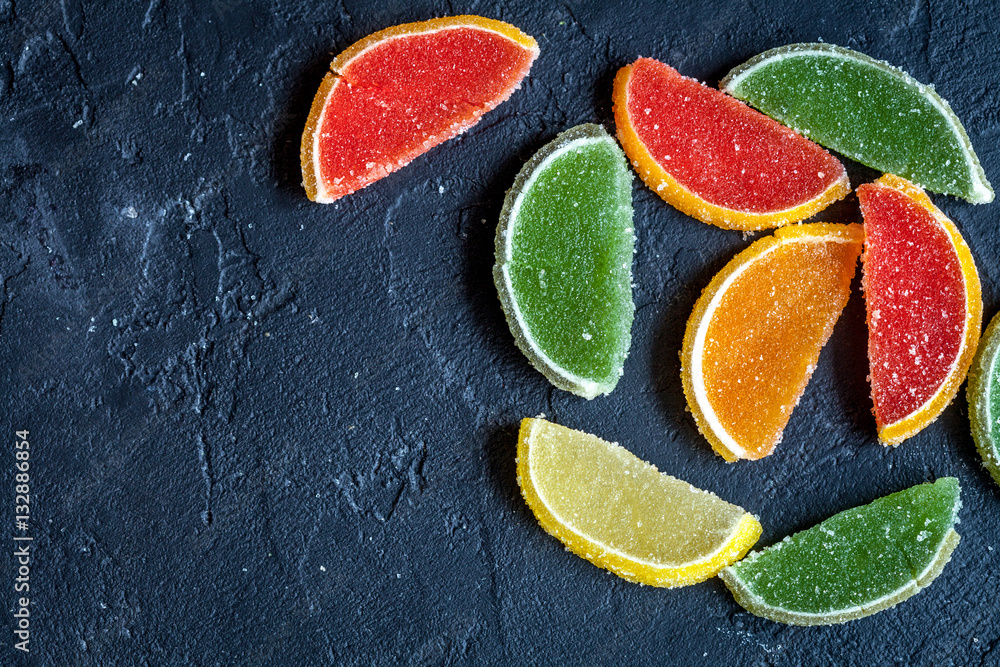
(270,432)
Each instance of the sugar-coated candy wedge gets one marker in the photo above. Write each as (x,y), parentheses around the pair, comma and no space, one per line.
(563,268)
(715,158)
(866,110)
(984,398)
(401,91)
(620,513)
(755,335)
(855,563)
(924,305)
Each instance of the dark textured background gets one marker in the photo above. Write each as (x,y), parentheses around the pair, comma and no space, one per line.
(270,432)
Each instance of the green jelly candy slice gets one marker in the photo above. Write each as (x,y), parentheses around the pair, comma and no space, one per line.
(564,260)
(855,563)
(984,398)
(866,110)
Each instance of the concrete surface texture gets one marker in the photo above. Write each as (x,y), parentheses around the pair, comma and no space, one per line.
(271,432)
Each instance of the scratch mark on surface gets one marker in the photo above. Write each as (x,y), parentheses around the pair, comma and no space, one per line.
(21,265)
(376,492)
(148,18)
(572,17)
(989,651)
(492,567)
(304,559)
(205,458)
(73,18)
(77,71)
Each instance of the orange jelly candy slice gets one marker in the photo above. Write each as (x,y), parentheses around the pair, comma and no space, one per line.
(396,94)
(925,309)
(756,332)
